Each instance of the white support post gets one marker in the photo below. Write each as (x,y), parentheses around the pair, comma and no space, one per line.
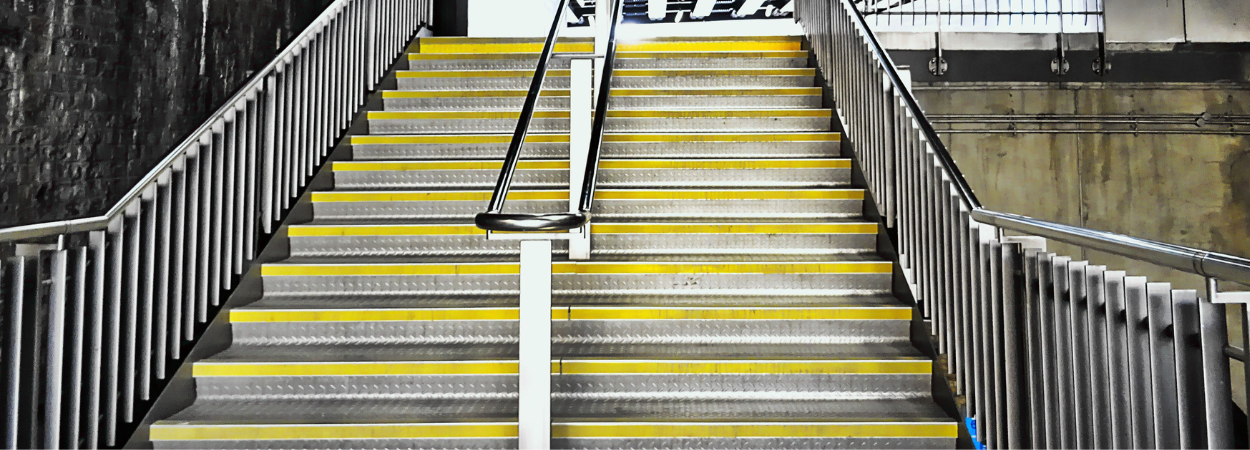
(580,111)
(534,422)
(603,27)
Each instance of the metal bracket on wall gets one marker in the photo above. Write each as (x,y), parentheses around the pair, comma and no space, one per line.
(1102,65)
(1059,66)
(937,65)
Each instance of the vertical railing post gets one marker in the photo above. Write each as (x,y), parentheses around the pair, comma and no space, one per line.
(534,422)
(582,83)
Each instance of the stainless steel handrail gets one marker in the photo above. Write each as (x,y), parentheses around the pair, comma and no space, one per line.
(494,219)
(1191,260)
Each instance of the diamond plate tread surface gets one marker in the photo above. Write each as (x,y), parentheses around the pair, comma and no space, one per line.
(399,410)
(327,347)
(692,299)
(900,348)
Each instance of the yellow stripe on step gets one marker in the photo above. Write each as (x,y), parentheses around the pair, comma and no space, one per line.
(610,268)
(462,196)
(611,164)
(620,113)
(521,45)
(787,54)
(245,315)
(600,228)
(858,367)
(605,194)
(445,165)
(564,73)
(178,431)
(661,430)
(580,268)
(300,369)
(742,228)
(564,138)
(516,93)
(612,313)
(383,230)
(278,270)
(793,194)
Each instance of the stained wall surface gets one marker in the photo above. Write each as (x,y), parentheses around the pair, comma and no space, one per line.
(95,92)
(1190,186)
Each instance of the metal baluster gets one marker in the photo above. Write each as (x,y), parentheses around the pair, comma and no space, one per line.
(1118,376)
(1033,342)
(1136,306)
(1078,322)
(1190,399)
(1063,352)
(177,293)
(130,302)
(98,258)
(1047,299)
(161,271)
(54,350)
(1163,366)
(1096,345)
(1216,384)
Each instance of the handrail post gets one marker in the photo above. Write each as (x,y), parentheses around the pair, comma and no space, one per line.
(580,110)
(534,380)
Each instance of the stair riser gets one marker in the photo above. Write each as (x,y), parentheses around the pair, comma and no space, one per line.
(605,210)
(590,285)
(623,61)
(571,336)
(618,102)
(608,178)
(581,443)
(783,149)
(569,392)
(601,245)
(627,82)
(613,125)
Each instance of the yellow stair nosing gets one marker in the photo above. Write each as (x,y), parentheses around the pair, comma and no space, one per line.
(584,268)
(610,137)
(182,431)
(897,366)
(604,194)
(620,113)
(265,315)
(598,228)
(564,73)
(606,164)
(518,93)
(636,54)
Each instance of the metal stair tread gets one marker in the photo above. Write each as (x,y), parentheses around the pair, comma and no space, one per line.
(898,411)
(485,301)
(558,258)
(345,222)
(256,354)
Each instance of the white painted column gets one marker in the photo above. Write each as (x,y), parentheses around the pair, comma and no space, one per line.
(535,362)
(580,122)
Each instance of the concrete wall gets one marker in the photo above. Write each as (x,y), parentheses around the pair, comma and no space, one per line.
(1189,189)
(95,93)
(1178,20)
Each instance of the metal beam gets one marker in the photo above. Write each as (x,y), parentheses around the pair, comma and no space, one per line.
(702,8)
(749,7)
(658,9)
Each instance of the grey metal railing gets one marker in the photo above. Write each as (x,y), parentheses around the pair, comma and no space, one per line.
(1047,352)
(993,16)
(99,312)
(494,219)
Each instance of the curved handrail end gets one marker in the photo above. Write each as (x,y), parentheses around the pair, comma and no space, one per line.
(530,222)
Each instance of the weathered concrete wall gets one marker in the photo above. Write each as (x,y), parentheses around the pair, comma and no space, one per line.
(1186,188)
(96,92)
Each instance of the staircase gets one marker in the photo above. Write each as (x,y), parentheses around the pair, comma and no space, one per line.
(735,297)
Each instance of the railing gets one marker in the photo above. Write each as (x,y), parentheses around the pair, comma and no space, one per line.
(1047,352)
(99,312)
(985,16)
(494,219)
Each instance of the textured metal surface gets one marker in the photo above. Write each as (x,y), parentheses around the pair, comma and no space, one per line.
(605,210)
(328,346)
(641,178)
(602,245)
(723,149)
(624,60)
(618,81)
(614,125)
(688,99)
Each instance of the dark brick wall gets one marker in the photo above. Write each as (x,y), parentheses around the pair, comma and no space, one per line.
(96,92)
